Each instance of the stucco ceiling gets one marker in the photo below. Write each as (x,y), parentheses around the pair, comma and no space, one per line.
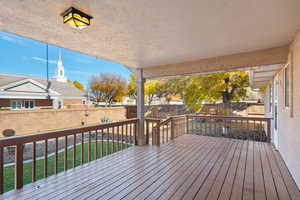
(145,33)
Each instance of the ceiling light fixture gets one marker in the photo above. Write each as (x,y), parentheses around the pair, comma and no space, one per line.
(76,19)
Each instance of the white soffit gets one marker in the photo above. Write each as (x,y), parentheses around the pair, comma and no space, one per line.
(261,76)
(145,33)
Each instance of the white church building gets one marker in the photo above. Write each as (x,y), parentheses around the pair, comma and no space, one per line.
(27,92)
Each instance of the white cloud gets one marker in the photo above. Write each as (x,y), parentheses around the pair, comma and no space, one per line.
(39,59)
(11,38)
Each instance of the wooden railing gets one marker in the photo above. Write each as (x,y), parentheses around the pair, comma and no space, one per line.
(68,148)
(63,146)
(247,128)
(161,131)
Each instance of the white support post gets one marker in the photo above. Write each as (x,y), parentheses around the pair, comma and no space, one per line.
(140,107)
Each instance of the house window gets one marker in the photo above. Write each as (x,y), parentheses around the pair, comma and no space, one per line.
(29,104)
(16,104)
(286,87)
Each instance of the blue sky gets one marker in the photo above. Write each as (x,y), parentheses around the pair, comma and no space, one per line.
(20,55)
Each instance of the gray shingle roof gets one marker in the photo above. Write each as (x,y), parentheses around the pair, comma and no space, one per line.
(65,89)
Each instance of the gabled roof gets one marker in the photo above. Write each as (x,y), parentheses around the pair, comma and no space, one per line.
(66,90)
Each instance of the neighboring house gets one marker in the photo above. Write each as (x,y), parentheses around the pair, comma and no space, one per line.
(26,92)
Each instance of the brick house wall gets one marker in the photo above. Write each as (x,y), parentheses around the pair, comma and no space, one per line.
(43,102)
(4,103)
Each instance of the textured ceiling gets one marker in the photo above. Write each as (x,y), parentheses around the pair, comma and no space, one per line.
(143,33)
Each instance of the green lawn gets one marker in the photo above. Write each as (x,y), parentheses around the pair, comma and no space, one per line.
(9,172)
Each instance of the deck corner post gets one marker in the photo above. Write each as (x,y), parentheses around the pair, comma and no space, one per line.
(140,107)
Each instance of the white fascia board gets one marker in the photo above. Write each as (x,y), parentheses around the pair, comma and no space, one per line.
(14,84)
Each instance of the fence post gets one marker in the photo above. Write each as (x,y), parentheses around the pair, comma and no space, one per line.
(19,166)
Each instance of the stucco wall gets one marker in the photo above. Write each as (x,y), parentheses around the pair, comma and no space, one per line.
(29,121)
(289,127)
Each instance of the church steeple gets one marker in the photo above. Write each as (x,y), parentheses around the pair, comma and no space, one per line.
(60,70)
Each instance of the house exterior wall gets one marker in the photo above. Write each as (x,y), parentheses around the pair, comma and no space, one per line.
(4,103)
(288,124)
(43,102)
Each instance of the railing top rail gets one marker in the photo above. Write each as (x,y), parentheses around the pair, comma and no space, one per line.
(232,117)
(153,119)
(22,139)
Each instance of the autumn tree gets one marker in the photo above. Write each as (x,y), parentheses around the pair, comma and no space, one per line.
(151,87)
(132,87)
(227,86)
(78,85)
(108,88)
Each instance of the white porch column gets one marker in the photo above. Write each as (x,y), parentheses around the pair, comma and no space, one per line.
(140,107)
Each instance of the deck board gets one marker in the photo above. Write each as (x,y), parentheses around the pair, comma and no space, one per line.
(189,167)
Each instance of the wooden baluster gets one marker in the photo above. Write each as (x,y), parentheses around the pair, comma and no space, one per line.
(46,159)
(102,143)
(34,161)
(113,139)
(118,134)
(163,134)
(1,171)
(187,125)
(173,122)
(268,130)
(131,134)
(96,145)
(261,129)
(19,166)
(126,135)
(82,147)
(247,126)
(89,148)
(108,145)
(157,134)
(147,132)
(66,154)
(122,136)
(74,150)
(134,134)
(56,156)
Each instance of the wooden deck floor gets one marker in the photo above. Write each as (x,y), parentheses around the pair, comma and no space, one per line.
(191,167)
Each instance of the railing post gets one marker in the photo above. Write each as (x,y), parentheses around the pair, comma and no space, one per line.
(172,129)
(140,107)
(19,166)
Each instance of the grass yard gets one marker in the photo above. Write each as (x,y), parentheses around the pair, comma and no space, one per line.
(9,171)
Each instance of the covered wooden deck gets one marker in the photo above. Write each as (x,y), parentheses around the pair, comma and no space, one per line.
(189,167)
